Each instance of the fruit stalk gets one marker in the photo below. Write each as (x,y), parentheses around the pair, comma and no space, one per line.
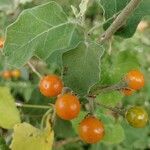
(18,104)
(34,70)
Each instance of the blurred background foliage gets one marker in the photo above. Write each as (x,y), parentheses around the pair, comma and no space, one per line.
(120,56)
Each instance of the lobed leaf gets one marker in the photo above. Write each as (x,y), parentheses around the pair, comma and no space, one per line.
(27,137)
(81,67)
(40,31)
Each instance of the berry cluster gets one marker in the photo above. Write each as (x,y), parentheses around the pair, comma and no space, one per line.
(8,74)
(91,129)
(67,105)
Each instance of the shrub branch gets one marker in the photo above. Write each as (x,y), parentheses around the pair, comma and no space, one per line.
(120,20)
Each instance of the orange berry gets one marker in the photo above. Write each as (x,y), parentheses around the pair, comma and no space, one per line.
(51,85)
(135,79)
(1,42)
(67,106)
(16,73)
(91,130)
(6,74)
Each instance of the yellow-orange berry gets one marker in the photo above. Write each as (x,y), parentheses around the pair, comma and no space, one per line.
(1,42)
(7,74)
(16,73)
(51,85)
(135,79)
(67,106)
(91,130)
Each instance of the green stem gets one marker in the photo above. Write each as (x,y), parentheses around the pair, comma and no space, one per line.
(19,84)
(44,118)
(18,104)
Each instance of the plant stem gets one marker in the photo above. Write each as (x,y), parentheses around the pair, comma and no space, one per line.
(116,110)
(67,141)
(34,70)
(98,89)
(120,20)
(101,24)
(18,104)
(44,118)
(91,104)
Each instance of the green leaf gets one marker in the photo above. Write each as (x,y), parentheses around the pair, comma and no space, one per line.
(9,115)
(81,67)
(40,31)
(2,62)
(27,137)
(114,133)
(75,122)
(99,146)
(3,145)
(132,136)
(36,99)
(27,93)
(63,129)
(112,7)
(23,88)
(106,119)
(122,66)
(119,63)
(110,99)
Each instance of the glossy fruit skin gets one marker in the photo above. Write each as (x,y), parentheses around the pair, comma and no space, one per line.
(67,106)
(51,85)
(91,130)
(16,73)
(7,74)
(135,79)
(1,42)
(127,92)
(136,117)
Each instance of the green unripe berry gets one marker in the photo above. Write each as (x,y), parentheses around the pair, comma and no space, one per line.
(136,117)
